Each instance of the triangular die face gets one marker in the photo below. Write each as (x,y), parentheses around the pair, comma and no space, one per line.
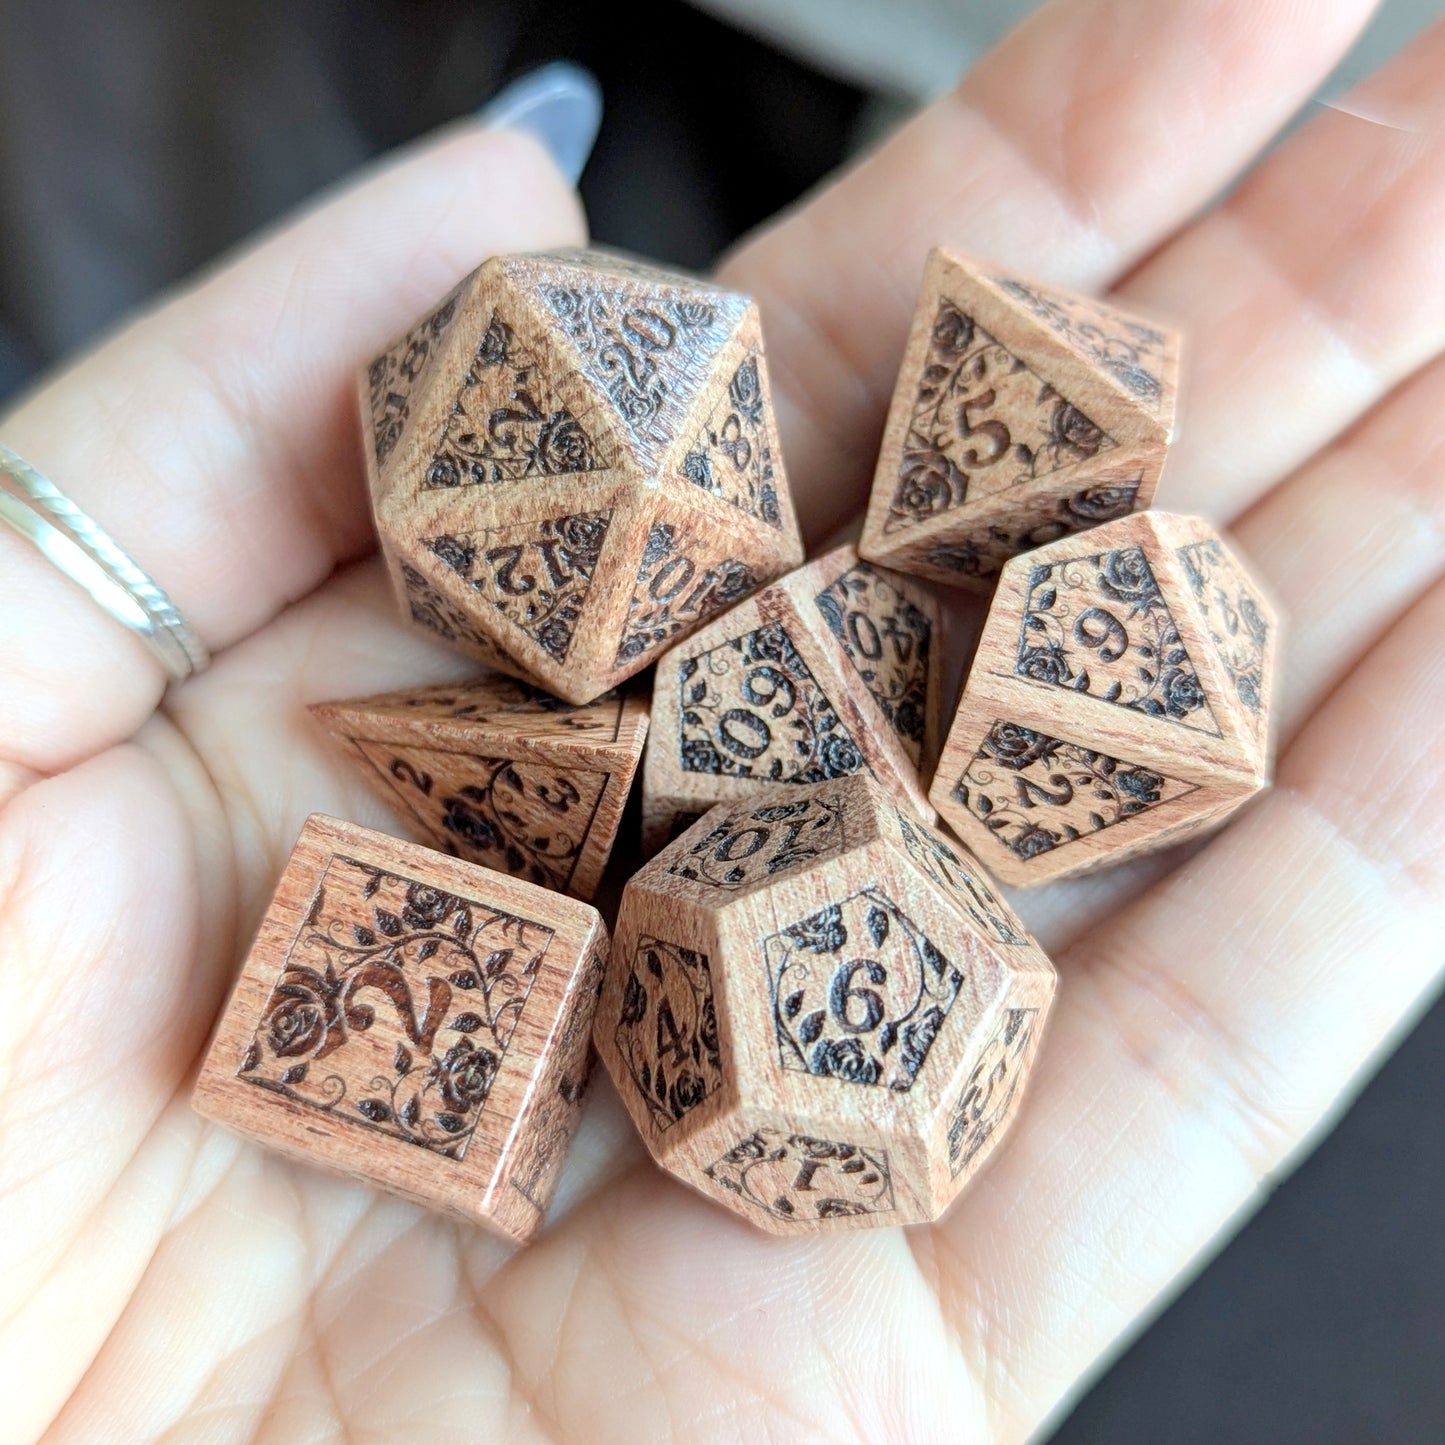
(394,378)
(504,701)
(1131,351)
(1098,624)
(650,349)
(537,574)
(889,643)
(1035,793)
(520,818)
(734,454)
(430,610)
(1237,620)
(679,586)
(512,419)
(751,708)
(983,422)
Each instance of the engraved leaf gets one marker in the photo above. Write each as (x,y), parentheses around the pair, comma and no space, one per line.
(811,1028)
(878,925)
(401,1059)
(452,1123)
(389,923)
(1046,599)
(409,1112)
(372,884)
(462,923)
(793,1005)
(463,979)
(374,1110)
(317,904)
(1112,694)
(984,805)
(427,949)
(887,1036)
(253,1057)
(294,1074)
(467,1023)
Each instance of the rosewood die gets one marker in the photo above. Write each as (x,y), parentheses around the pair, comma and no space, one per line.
(832,670)
(1119,700)
(574,463)
(415,1021)
(499,772)
(818,1012)
(1021,413)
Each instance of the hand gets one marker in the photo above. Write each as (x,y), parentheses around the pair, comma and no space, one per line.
(158,1275)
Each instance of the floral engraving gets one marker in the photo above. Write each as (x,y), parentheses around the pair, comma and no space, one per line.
(748,845)
(675,593)
(982,422)
(798,1178)
(986,1101)
(503,426)
(1032,522)
(536,574)
(887,639)
(526,819)
(1099,625)
(395,1006)
(859,992)
(1035,793)
(751,708)
(393,376)
(1235,618)
(732,456)
(429,609)
(1130,351)
(667,1031)
(943,865)
(650,350)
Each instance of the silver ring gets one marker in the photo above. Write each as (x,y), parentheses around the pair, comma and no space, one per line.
(73,542)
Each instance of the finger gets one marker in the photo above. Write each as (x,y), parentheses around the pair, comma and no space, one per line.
(216,438)
(1346,544)
(1070,152)
(1205,1033)
(1311,291)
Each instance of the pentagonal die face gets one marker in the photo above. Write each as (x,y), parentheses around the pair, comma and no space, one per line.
(858,971)
(1118,701)
(574,463)
(1021,414)
(830,671)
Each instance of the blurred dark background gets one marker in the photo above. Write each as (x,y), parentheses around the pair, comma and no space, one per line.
(139,139)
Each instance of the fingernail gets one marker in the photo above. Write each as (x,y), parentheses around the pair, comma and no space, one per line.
(559,104)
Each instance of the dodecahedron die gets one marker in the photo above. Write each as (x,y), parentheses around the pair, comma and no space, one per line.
(832,670)
(818,1012)
(415,1021)
(574,462)
(1021,413)
(1118,702)
(499,772)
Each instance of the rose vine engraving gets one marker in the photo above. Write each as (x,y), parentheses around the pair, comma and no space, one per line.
(536,574)
(396,1005)
(751,708)
(943,865)
(1099,625)
(797,1178)
(887,639)
(982,423)
(429,609)
(732,456)
(751,844)
(1235,619)
(859,992)
(393,376)
(987,1098)
(667,1031)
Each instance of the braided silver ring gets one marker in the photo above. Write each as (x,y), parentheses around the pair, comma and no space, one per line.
(76,545)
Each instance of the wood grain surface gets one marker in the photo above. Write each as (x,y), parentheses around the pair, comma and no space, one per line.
(414,1021)
(499,772)
(1119,700)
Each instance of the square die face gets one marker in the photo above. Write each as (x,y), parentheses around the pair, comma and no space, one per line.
(395,1006)
(398,1019)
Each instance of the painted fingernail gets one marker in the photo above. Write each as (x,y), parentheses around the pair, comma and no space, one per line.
(559,104)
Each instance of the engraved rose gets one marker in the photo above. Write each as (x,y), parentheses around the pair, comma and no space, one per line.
(697,468)
(1126,576)
(839,1208)
(470,825)
(426,907)
(1033,841)
(495,345)
(707,1030)
(1018,747)
(1247,687)
(928,481)
(1181,692)
(466,1075)
(454,552)
(841,756)
(296,1024)
(737,582)
(581,537)
(908,720)
(687,1092)
(634,1001)
(562,445)
(555,637)
(746,393)
(414,359)
(1254,624)
(1139,784)
(1100,504)
(843,1059)
(1072,430)
(1044,664)
(952,330)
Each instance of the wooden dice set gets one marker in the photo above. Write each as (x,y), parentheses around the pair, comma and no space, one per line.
(817,1009)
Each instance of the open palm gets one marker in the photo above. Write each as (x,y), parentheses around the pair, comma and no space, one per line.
(160,1277)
